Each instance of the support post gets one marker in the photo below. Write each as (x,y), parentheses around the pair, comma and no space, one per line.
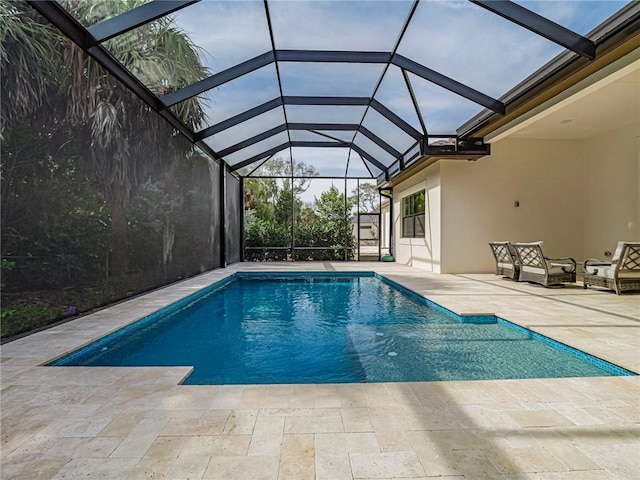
(346,243)
(293,214)
(242,209)
(358,214)
(223,215)
(379,225)
(392,240)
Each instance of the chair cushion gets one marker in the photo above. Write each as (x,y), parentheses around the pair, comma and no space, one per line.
(601,270)
(553,269)
(538,270)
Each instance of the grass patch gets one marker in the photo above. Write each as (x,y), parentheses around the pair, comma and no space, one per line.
(26,311)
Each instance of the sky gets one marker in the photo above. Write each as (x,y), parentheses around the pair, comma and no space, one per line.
(453,37)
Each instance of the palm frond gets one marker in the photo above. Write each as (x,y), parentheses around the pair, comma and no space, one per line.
(25,82)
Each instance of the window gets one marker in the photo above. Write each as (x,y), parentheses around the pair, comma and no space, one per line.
(413,215)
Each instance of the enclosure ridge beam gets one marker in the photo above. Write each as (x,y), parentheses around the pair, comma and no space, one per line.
(241,117)
(253,140)
(282,128)
(277,102)
(540,25)
(300,143)
(355,147)
(448,83)
(112,27)
(313,143)
(303,100)
(334,101)
(259,156)
(335,139)
(332,56)
(357,101)
(218,79)
(312,127)
(395,119)
(324,126)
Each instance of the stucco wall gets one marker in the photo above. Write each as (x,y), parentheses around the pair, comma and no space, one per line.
(544,176)
(420,252)
(472,203)
(612,190)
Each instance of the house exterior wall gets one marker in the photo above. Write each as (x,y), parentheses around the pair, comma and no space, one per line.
(579,197)
(472,203)
(478,202)
(611,190)
(420,252)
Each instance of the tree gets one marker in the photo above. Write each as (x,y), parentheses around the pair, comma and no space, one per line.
(26,83)
(368,200)
(271,198)
(334,221)
(129,143)
(278,167)
(268,217)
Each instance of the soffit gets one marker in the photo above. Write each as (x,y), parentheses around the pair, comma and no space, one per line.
(599,104)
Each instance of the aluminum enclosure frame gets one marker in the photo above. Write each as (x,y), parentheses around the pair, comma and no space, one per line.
(464,143)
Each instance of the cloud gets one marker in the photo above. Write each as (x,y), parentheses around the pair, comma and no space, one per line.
(229,32)
(337,25)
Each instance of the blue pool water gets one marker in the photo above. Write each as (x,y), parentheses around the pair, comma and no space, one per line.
(258,329)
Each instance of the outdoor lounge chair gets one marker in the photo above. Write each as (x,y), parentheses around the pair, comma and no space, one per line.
(536,268)
(507,263)
(621,274)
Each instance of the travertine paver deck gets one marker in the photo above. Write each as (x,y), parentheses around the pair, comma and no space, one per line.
(139,423)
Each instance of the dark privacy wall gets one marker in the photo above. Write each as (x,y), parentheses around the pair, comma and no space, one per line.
(233,211)
(101,199)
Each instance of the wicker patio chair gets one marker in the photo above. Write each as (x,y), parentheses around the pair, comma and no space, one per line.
(507,263)
(536,268)
(621,274)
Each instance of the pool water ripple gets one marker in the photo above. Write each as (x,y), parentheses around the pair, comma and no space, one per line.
(319,329)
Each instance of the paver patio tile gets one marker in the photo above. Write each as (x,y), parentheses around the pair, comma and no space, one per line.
(219,446)
(388,464)
(267,436)
(333,467)
(100,468)
(242,468)
(132,423)
(337,443)
(297,460)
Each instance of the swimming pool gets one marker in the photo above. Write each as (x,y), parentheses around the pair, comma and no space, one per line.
(330,328)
